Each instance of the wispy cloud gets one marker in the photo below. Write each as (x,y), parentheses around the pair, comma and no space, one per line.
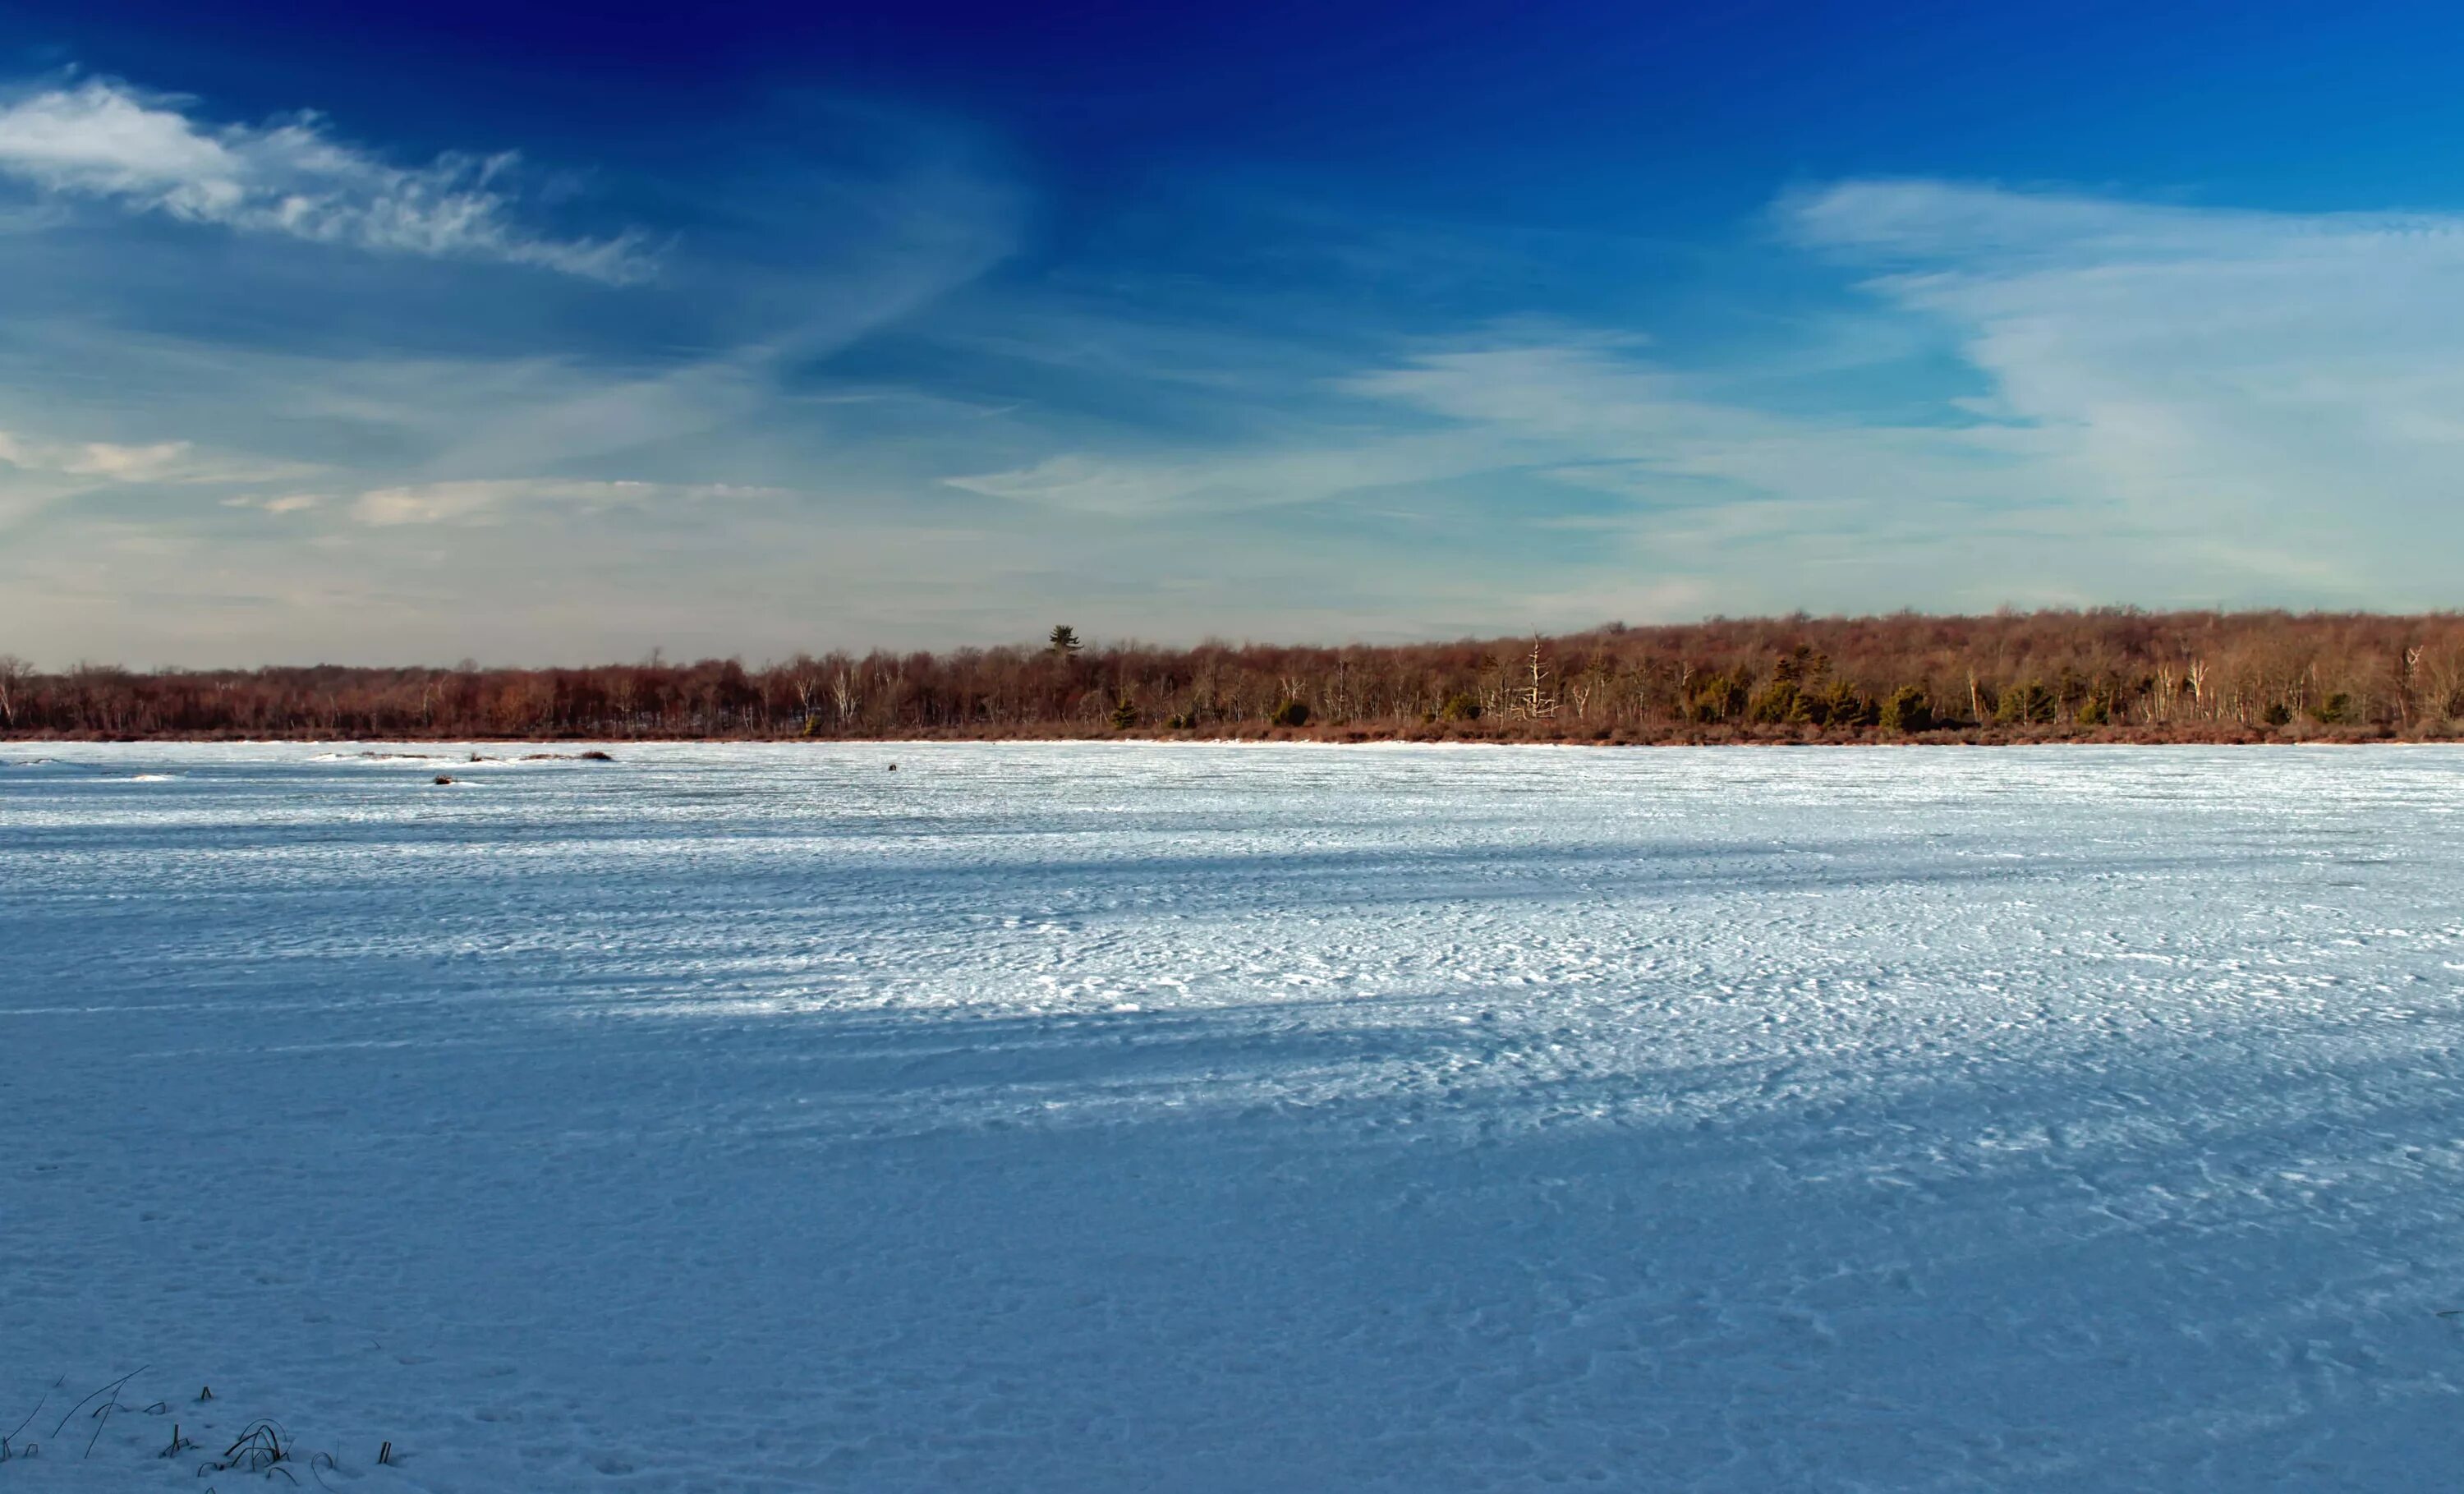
(164,462)
(481,501)
(1233,480)
(2157,402)
(847,428)
(35,472)
(292,175)
(279,503)
(2272,392)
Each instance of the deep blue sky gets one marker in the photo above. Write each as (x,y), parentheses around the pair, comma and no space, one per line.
(776,329)
(1447,107)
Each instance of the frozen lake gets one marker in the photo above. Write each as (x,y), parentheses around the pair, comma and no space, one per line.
(1097,1117)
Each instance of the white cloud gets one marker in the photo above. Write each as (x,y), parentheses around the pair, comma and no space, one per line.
(284,503)
(290,176)
(2275,393)
(164,461)
(104,462)
(36,475)
(1231,481)
(488,500)
(2150,403)
(2169,405)
(1580,410)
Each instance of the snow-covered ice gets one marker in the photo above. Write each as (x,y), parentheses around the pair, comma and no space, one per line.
(1100,1117)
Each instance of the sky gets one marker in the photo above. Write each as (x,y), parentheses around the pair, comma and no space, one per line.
(559,335)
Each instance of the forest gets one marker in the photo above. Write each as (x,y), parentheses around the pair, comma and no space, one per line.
(2100,674)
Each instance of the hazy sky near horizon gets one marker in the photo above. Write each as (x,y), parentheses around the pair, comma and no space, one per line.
(540,334)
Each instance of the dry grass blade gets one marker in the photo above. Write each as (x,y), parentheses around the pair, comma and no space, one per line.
(7,1447)
(262,1446)
(110,1395)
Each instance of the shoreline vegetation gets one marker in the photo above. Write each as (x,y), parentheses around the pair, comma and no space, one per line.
(2102,675)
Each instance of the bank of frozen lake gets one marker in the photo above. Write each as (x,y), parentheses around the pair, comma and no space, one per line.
(1097,1117)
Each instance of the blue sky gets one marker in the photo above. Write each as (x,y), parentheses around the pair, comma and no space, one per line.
(538,335)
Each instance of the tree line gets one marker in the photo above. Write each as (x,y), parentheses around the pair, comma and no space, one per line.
(2102,673)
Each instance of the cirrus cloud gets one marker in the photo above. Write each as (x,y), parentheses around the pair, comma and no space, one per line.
(485,500)
(151,153)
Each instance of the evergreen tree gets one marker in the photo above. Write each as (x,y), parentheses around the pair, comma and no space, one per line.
(1907,711)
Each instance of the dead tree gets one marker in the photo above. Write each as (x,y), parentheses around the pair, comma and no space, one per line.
(12,670)
(1535,701)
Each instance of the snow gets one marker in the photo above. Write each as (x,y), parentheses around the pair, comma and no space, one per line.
(1104,1117)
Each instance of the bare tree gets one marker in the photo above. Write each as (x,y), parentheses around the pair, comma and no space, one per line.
(13,670)
(1535,700)
(2198,673)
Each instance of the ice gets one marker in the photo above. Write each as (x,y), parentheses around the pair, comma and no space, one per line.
(1109,1117)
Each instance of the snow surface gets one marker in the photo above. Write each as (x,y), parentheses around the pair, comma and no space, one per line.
(1098,1118)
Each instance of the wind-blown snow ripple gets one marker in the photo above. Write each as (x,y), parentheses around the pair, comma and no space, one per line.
(1100,1117)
